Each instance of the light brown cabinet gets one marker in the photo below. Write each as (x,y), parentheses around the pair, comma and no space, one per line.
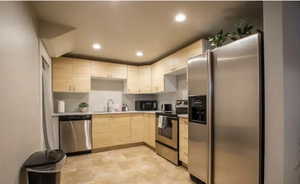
(157,81)
(145,79)
(179,59)
(137,128)
(183,140)
(133,80)
(74,75)
(71,75)
(122,129)
(150,129)
(111,130)
(108,70)
(139,80)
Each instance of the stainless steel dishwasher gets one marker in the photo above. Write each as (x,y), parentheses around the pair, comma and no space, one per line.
(75,133)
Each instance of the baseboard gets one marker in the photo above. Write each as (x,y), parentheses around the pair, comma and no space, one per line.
(196,180)
(109,148)
(184,165)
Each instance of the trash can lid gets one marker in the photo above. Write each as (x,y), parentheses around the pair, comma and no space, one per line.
(42,158)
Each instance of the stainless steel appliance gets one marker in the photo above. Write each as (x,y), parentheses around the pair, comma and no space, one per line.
(146,105)
(167,136)
(75,133)
(226,114)
(166,107)
(181,107)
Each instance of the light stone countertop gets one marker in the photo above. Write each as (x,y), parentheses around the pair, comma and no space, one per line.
(95,113)
(183,115)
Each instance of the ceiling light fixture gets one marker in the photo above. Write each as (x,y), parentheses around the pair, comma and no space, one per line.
(96,46)
(180,17)
(139,53)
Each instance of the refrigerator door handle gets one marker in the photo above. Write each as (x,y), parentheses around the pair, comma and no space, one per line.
(209,115)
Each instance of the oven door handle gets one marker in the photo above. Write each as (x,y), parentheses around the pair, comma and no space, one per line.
(173,118)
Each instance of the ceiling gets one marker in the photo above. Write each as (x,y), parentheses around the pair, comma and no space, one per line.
(122,28)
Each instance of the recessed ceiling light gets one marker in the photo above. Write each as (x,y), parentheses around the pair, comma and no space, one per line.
(139,53)
(180,17)
(96,46)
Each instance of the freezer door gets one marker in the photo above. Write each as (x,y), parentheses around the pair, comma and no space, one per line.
(197,75)
(237,112)
(198,122)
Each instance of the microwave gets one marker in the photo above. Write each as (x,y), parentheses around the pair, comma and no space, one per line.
(146,105)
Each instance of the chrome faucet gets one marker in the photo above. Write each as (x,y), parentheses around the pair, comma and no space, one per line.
(109,101)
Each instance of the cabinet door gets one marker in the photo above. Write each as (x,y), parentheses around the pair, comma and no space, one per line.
(183,140)
(118,71)
(137,128)
(100,69)
(121,129)
(152,129)
(133,80)
(157,81)
(61,75)
(146,129)
(145,79)
(81,83)
(81,71)
(102,131)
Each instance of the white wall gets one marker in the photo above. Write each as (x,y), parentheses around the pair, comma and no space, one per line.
(20,127)
(282,56)
(180,94)
(291,70)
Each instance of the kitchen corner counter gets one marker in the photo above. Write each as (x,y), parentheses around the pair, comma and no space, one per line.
(99,113)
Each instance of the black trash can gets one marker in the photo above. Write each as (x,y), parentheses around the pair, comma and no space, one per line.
(44,167)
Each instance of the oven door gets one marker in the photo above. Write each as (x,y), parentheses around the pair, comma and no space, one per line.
(169,134)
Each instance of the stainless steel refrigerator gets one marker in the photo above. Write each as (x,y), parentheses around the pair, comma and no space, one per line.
(225,89)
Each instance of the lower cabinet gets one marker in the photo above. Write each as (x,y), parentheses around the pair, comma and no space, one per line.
(120,129)
(111,130)
(150,129)
(183,140)
(137,128)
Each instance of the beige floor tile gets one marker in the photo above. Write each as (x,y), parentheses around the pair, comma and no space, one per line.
(136,165)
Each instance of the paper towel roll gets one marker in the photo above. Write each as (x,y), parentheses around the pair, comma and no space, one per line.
(61,106)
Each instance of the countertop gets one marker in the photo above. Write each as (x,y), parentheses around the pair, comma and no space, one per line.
(94,113)
(183,115)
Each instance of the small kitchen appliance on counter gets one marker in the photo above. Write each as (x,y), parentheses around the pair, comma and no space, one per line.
(181,106)
(146,105)
(166,107)
(61,106)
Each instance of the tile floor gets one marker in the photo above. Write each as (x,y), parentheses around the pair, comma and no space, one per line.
(136,165)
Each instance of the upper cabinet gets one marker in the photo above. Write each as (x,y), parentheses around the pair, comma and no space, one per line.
(145,79)
(71,75)
(74,75)
(133,80)
(157,77)
(179,59)
(139,79)
(109,70)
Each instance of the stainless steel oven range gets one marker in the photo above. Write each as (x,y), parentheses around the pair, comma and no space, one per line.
(167,125)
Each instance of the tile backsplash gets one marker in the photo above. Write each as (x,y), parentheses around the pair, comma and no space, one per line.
(72,100)
(103,90)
